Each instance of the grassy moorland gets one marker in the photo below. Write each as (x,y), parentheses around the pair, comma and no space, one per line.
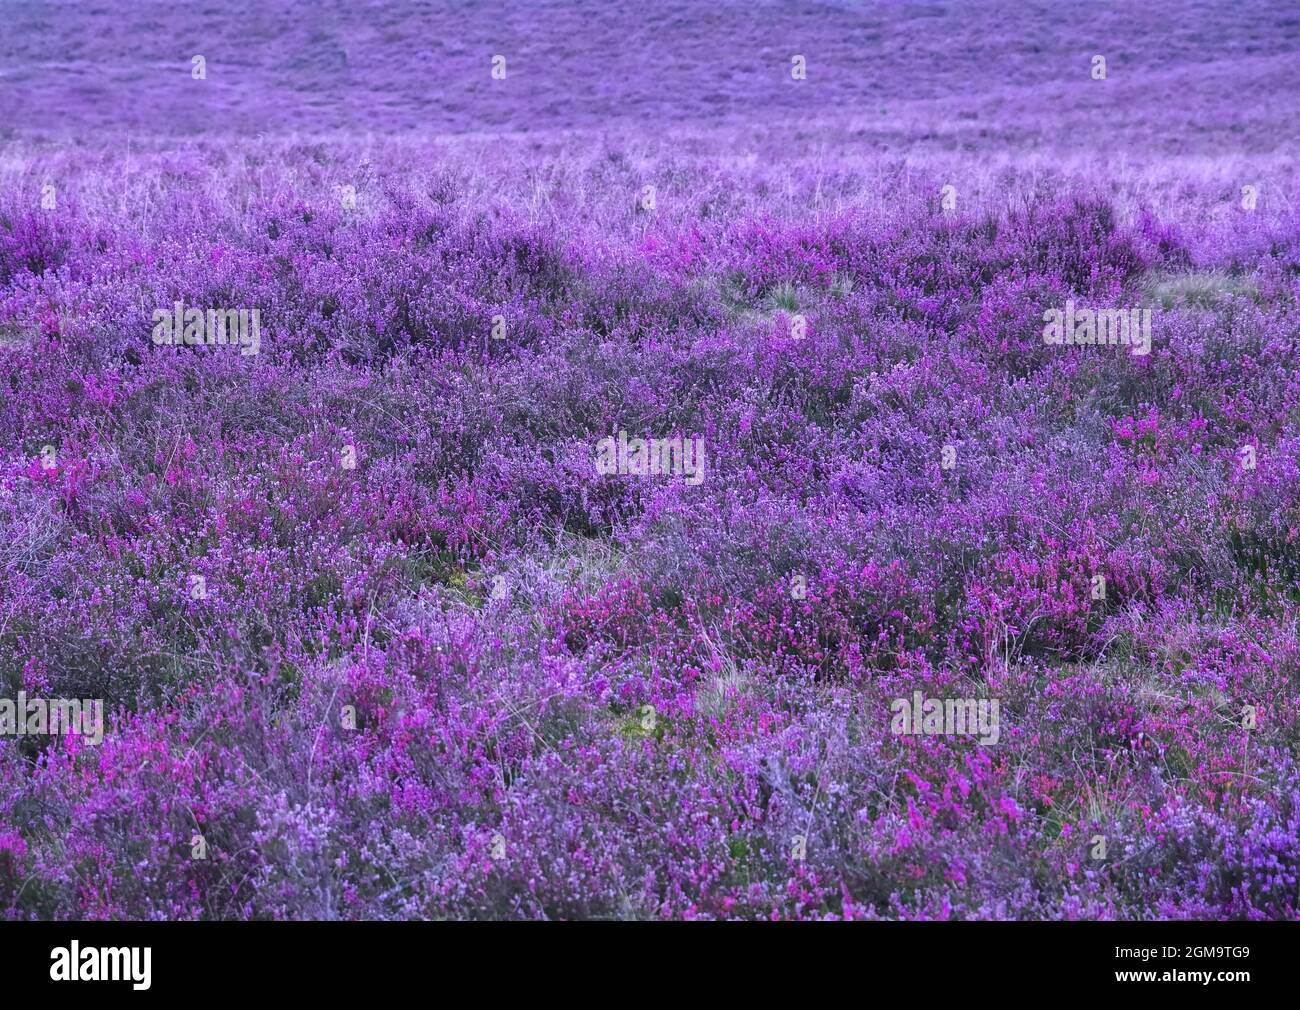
(376,638)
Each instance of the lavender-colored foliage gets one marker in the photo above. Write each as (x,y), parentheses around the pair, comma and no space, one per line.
(375,636)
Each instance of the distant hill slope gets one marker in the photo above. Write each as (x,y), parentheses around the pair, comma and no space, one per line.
(124,66)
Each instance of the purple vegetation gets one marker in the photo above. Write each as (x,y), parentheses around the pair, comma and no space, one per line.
(374,636)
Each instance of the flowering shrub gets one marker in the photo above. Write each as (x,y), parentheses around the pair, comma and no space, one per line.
(376,638)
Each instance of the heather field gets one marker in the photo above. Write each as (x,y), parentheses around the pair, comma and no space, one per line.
(729,460)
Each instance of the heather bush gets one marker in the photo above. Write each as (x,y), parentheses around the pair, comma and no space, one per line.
(376,638)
